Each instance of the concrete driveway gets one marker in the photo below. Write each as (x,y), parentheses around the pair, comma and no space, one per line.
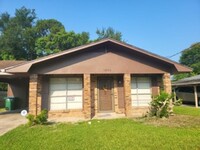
(9,121)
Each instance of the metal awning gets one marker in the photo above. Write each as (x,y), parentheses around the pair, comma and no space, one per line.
(187,81)
(191,81)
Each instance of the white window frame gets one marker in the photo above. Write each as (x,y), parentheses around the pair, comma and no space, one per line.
(66,99)
(136,94)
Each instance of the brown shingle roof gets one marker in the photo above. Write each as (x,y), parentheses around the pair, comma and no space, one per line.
(8,63)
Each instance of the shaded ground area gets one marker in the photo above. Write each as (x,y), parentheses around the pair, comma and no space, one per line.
(173,121)
(184,116)
(9,121)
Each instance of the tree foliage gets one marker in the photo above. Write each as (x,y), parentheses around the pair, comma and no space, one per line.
(46,27)
(191,58)
(22,37)
(16,34)
(62,40)
(109,33)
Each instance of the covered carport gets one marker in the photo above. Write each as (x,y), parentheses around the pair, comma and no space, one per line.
(17,83)
(188,82)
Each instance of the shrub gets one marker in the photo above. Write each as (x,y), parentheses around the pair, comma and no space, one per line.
(178,102)
(42,117)
(30,118)
(39,119)
(161,105)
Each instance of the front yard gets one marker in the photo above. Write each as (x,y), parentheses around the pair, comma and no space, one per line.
(110,134)
(186,110)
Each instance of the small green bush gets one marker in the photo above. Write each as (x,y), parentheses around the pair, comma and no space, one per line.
(178,102)
(161,105)
(30,118)
(39,119)
(42,117)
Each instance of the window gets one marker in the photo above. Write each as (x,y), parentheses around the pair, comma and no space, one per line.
(140,91)
(65,93)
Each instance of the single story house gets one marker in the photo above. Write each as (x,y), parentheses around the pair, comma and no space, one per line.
(189,89)
(104,76)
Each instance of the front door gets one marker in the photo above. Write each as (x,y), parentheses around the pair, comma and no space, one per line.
(105,86)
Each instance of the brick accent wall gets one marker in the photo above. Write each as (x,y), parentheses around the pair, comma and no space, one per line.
(127,94)
(87,96)
(94,95)
(66,113)
(35,94)
(167,83)
(139,111)
(115,94)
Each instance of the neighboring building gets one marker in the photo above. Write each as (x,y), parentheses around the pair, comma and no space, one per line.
(188,89)
(104,76)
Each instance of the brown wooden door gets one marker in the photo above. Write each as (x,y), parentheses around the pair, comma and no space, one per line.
(105,94)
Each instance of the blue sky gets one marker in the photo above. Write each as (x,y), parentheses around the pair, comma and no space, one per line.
(164,27)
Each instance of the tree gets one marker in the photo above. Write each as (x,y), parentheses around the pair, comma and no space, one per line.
(60,41)
(24,37)
(46,27)
(191,58)
(109,33)
(17,37)
(4,20)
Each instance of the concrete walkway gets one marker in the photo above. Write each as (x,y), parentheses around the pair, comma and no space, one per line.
(9,121)
(108,116)
(77,119)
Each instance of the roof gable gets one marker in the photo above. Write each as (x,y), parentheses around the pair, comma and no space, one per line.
(102,43)
(100,63)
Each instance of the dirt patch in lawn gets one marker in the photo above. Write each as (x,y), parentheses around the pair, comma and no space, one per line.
(173,121)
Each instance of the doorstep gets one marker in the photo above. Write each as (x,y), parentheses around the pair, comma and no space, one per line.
(66,119)
(108,116)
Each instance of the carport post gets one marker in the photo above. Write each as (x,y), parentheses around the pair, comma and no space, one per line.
(174,93)
(195,96)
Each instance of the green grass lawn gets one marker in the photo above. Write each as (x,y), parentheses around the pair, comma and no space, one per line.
(186,110)
(109,134)
(104,134)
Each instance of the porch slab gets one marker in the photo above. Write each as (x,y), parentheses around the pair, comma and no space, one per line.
(67,119)
(108,116)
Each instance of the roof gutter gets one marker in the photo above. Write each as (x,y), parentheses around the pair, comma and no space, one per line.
(4,73)
(185,84)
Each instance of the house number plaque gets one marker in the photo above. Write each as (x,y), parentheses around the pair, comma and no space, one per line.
(107,70)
